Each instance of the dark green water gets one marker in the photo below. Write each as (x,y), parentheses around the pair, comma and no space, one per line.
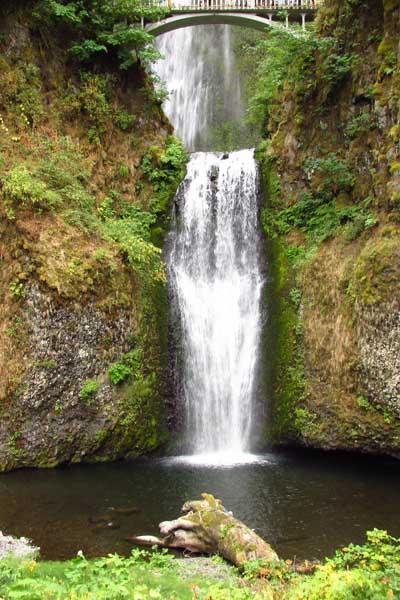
(305,504)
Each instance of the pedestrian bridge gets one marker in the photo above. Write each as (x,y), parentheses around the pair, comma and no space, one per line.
(256,14)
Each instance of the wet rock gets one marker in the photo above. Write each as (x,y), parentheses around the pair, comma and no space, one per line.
(106,525)
(17,547)
(129,510)
(214,175)
(96,520)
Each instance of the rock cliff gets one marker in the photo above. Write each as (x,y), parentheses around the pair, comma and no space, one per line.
(332,220)
(87,169)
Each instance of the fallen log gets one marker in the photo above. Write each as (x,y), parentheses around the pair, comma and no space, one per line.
(208,528)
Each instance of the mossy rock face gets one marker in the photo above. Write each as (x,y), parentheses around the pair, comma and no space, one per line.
(336,384)
(375,289)
(49,420)
(74,299)
(376,276)
(334,304)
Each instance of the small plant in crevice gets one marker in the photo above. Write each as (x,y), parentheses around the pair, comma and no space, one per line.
(124,120)
(130,364)
(17,289)
(89,389)
(360,124)
(118,372)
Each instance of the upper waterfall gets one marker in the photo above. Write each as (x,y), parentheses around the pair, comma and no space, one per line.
(199,72)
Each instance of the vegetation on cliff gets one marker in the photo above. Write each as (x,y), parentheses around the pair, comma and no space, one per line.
(88,167)
(328,107)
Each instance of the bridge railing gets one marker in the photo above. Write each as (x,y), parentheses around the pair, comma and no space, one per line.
(274,5)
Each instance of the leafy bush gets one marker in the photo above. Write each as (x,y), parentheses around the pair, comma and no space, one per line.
(124,120)
(22,188)
(109,29)
(89,389)
(336,65)
(129,365)
(161,167)
(316,212)
(141,254)
(320,218)
(359,124)
(17,289)
(307,64)
(118,372)
(332,173)
(164,169)
(142,576)
(368,572)
(281,58)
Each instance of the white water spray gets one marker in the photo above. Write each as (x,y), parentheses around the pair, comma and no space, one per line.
(216,282)
(200,74)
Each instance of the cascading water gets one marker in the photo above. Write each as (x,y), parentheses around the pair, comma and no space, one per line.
(213,250)
(216,282)
(199,71)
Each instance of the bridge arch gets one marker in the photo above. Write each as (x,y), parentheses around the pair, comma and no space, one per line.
(207,18)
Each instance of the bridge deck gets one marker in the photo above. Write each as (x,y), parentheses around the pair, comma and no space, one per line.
(261,6)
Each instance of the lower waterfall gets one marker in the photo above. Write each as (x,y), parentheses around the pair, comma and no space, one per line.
(216,284)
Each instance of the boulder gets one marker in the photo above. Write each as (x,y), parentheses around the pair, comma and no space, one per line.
(11,547)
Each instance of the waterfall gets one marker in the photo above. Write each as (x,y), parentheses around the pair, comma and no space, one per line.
(202,81)
(213,249)
(216,285)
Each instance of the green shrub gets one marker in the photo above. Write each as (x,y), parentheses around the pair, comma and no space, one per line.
(124,171)
(368,572)
(161,167)
(124,120)
(319,217)
(142,255)
(363,403)
(105,208)
(17,289)
(130,364)
(359,124)
(95,99)
(89,389)
(118,372)
(332,173)
(22,188)
(109,29)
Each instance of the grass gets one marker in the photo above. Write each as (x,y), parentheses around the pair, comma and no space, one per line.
(367,572)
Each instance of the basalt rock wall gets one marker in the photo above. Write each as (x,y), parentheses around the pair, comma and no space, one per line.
(332,222)
(83,310)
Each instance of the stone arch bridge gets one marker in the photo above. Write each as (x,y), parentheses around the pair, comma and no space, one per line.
(256,14)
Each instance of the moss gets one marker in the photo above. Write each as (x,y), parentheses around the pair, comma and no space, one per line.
(283,371)
(376,274)
(390,6)
(141,428)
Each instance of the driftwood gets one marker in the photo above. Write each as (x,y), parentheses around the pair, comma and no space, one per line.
(208,528)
